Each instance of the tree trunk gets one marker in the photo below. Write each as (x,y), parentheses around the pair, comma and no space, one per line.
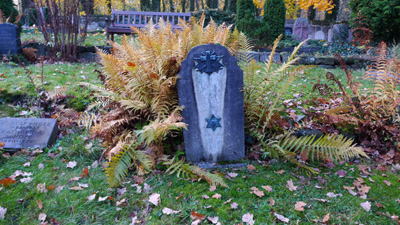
(183,5)
(155,5)
(171,5)
(163,5)
(191,5)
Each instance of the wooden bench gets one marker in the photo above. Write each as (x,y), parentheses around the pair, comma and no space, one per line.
(122,21)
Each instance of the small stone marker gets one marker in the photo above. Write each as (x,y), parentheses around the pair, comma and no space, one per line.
(18,133)
(319,35)
(210,87)
(10,42)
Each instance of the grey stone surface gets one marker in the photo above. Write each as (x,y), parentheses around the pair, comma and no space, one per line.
(10,42)
(323,60)
(330,35)
(18,133)
(300,30)
(285,56)
(88,56)
(209,87)
(255,56)
(319,35)
(264,57)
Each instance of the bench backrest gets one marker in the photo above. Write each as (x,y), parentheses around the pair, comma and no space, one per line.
(140,19)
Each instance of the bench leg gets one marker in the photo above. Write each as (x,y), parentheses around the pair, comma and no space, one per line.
(112,37)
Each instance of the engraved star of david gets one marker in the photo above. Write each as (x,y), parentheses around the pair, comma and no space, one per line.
(213,122)
(208,62)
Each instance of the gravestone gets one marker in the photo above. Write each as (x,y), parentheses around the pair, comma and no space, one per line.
(210,88)
(330,35)
(18,133)
(10,42)
(319,35)
(300,29)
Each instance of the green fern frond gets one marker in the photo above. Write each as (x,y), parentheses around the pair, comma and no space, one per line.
(332,146)
(120,163)
(187,170)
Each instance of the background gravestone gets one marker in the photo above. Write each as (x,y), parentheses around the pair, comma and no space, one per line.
(210,87)
(10,42)
(300,30)
(18,133)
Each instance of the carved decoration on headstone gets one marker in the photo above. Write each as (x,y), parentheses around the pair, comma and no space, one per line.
(209,88)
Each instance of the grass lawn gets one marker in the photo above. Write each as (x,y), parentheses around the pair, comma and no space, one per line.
(77,202)
(92,39)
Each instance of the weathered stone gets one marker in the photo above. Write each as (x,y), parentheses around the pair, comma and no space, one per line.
(324,60)
(210,89)
(264,57)
(91,49)
(10,42)
(284,56)
(81,49)
(330,35)
(18,133)
(255,56)
(319,35)
(300,29)
(88,56)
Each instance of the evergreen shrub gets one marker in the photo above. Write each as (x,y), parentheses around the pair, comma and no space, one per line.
(246,22)
(219,16)
(383,18)
(274,16)
(8,7)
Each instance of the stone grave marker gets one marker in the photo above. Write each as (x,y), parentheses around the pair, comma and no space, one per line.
(319,35)
(210,87)
(301,29)
(18,133)
(10,42)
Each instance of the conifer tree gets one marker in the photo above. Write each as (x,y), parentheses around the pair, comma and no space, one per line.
(274,16)
(8,7)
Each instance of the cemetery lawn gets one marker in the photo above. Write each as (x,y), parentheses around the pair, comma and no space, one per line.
(78,202)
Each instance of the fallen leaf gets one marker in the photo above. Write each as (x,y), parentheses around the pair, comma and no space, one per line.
(74,179)
(232,174)
(95,164)
(216,196)
(83,185)
(85,172)
(41,166)
(257,192)
(58,189)
(102,199)
(39,203)
(213,220)
(248,218)
(118,203)
(321,200)
(364,188)
(42,188)
(76,188)
(51,187)
(146,188)
(197,216)
(352,192)
(267,188)
(7,181)
(326,218)
(271,202)
(120,191)
(169,211)
(227,201)
(2,212)
(138,188)
(341,173)
(333,195)
(348,188)
(205,196)
(280,172)
(213,187)
(134,221)
(28,164)
(366,206)
(291,186)
(234,205)
(91,197)
(71,164)
(26,180)
(379,205)
(387,182)
(251,167)
(281,218)
(154,198)
(299,206)
(42,217)
(370,179)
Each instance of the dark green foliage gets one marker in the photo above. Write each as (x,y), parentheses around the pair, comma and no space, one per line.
(217,15)
(257,30)
(383,17)
(7,6)
(274,16)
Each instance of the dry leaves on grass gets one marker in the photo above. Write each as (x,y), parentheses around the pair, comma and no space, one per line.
(154,198)
(7,181)
(28,164)
(213,187)
(42,217)
(71,164)
(267,188)
(216,196)
(299,206)
(205,196)
(26,180)
(333,195)
(366,206)
(39,203)
(326,218)
(232,174)
(257,192)
(234,205)
(387,182)
(197,217)
(281,218)
(168,211)
(213,220)
(248,219)
(91,197)
(251,167)
(271,202)
(2,212)
(279,172)
(291,186)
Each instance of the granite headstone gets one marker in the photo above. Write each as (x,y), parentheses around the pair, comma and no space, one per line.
(210,87)
(10,42)
(300,29)
(319,35)
(18,133)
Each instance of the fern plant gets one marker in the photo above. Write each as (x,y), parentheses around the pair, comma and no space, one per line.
(263,118)
(140,86)
(187,170)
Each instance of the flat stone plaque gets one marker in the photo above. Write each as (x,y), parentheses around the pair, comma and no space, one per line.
(18,133)
(210,88)
(10,42)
